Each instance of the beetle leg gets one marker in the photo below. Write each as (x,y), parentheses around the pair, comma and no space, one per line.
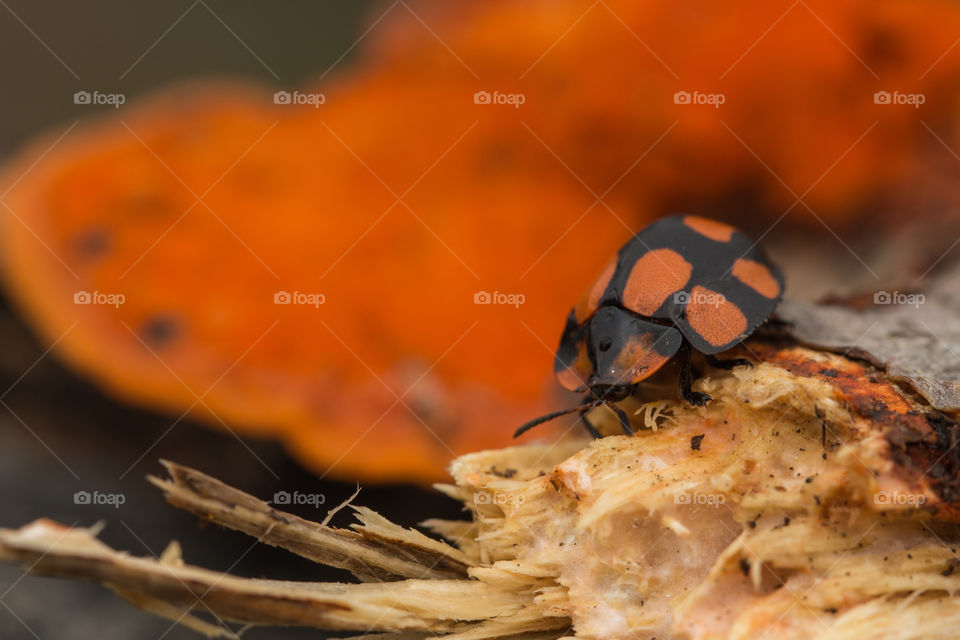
(726,365)
(586,423)
(624,420)
(692,397)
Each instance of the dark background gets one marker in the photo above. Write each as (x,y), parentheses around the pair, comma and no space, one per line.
(59,434)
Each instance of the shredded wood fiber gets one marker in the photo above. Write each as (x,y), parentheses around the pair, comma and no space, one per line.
(804,502)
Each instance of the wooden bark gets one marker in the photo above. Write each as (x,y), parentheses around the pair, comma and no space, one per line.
(814,497)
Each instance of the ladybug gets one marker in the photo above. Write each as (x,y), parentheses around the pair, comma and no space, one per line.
(684,283)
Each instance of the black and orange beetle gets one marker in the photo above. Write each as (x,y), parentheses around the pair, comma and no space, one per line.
(683,283)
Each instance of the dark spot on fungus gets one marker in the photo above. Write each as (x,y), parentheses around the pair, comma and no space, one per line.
(159,330)
(92,243)
(695,442)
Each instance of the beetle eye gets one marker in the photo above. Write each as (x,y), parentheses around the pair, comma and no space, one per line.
(605,344)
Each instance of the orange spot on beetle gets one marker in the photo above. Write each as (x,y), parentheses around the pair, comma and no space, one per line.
(639,359)
(716,319)
(591,297)
(575,376)
(756,276)
(569,379)
(656,275)
(710,228)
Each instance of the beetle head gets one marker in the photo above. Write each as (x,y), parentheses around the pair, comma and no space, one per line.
(625,348)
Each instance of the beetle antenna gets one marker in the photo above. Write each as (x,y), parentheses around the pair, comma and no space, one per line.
(550,416)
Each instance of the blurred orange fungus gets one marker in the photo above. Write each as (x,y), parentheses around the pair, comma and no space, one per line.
(317,274)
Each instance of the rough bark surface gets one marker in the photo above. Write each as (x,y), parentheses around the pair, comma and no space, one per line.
(814,497)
